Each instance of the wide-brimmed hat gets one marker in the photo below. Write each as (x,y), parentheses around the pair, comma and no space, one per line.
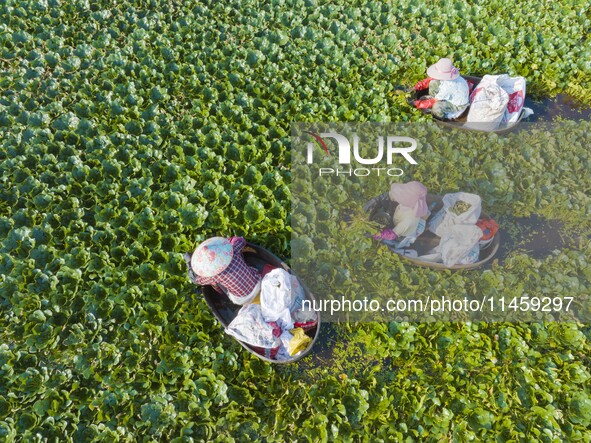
(444,69)
(212,256)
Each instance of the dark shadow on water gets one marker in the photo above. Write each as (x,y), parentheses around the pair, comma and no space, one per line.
(534,236)
(562,106)
(324,348)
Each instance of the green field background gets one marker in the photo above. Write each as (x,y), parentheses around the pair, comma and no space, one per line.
(130,131)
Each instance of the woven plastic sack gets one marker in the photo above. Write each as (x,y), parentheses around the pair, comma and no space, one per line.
(488,104)
(515,88)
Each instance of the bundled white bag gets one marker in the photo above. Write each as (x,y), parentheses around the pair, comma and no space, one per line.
(488,103)
(280,294)
(445,218)
(458,244)
(250,327)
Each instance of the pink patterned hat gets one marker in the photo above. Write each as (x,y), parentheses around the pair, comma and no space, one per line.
(444,69)
(212,256)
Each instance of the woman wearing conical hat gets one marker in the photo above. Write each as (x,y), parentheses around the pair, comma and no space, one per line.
(449,93)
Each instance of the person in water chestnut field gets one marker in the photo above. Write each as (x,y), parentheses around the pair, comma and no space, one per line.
(219,262)
(449,92)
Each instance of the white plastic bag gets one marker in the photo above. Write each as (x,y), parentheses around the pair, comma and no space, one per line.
(488,104)
(445,219)
(515,89)
(250,327)
(458,244)
(472,256)
(280,291)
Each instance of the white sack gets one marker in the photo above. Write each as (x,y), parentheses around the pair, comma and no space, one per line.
(280,293)
(515,88)
(488,104)
(250,327)
(458,245)
(445,219)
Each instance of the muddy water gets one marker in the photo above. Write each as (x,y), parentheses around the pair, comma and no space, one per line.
(562,106)
(535,236)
